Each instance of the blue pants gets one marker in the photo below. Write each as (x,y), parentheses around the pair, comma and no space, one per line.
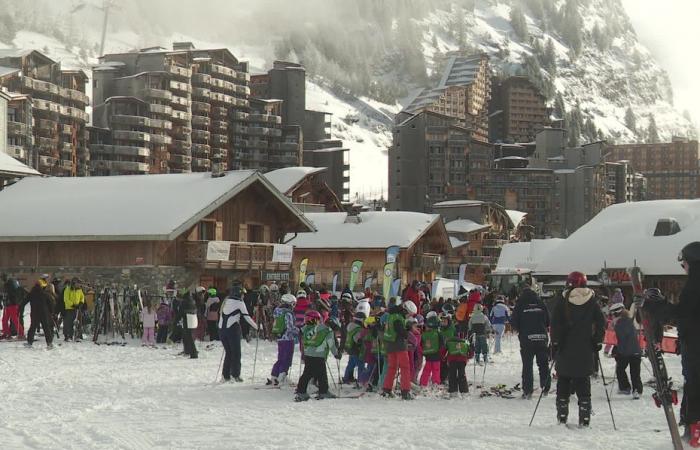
(499,328)
(481,347)
(353,362)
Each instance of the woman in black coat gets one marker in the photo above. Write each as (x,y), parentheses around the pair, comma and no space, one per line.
(578,326)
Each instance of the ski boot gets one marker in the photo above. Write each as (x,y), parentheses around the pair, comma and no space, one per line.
(406,395)
(282,378)
(695,435)
(28,344)
(584,413)
(635,395)
(49,347)
(526,395)
(238,379)
(562,410)
(387,393)
(325,395)
(272,382)
(301,397)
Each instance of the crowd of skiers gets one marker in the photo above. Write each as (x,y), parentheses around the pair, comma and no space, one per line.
(421,342)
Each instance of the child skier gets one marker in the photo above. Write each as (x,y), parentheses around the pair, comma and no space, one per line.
(431,342)
(418,353)
(500,315)
(479,328)
(164,314)
(212,313)
(627,352)
(395,337)
(371,344)
(287,332)
(457,358)
(318,341)
(353,347)
(448,330)
(148,318)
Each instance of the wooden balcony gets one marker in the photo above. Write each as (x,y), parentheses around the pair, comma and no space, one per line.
(425,262)
(242,256)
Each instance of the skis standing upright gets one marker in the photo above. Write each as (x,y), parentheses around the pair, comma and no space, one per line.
(665,396)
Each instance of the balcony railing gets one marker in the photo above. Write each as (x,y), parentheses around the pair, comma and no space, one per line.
(426,262)
(160,94)
(177,70)
(494,243)
(486,261)
(242,256)
(17,128)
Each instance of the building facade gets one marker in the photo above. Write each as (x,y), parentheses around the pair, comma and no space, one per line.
(517,110)
(671,168)
(47,112)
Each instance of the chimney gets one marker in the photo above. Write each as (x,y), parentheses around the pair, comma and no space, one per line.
(218,169)
(183,46)
(353,216)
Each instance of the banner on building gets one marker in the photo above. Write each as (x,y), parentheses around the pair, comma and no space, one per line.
(395,287)
(310,279)
(462,273)
(282,253)
(355,269)
(388,279)
(368,282)
(302,269)
(218,250)
(392,253)
(335,282)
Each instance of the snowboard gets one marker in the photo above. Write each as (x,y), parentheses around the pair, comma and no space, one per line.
(665,396)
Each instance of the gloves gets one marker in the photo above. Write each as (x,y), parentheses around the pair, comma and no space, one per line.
(597,347)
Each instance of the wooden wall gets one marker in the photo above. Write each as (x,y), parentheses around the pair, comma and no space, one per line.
(80,253)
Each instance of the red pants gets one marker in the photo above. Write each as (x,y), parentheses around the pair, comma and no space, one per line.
(11,313)
(398,361)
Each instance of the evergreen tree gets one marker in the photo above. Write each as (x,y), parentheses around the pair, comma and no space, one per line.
(518,22)
(559,106)
(630,120)
(653,132)
(549,59)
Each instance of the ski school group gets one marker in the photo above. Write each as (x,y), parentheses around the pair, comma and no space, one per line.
(411,344)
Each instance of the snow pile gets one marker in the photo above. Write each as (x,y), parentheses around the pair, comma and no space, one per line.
(288,177)
(87,396)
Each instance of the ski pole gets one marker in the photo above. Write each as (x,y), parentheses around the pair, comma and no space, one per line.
(539,399)
(218,371)
(335,385)
(602,375)
(255,357)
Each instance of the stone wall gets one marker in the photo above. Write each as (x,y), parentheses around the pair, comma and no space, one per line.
(150,278)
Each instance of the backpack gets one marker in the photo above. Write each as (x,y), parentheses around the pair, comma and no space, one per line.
(214,307)
(280,325)
(462,314)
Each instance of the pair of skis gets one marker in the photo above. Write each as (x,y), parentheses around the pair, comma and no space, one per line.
(665,396)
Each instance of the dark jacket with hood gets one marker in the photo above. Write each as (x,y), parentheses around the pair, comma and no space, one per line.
(578,325)
(687,315)
(627,337)
(531,319)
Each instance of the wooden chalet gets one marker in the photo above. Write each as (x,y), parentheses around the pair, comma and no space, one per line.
(306,188)
(343,237)
(146,229)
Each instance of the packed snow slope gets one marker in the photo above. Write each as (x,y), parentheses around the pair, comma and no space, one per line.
(80,396)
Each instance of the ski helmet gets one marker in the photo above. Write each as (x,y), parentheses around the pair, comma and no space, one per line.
(346,297)
(301,293)
(654,295)
(690,253)
(410,308)
(211,292)
(312,316)
(447,308)
(360,316)
(411,321)
(577,280)
(363,307)
(432,322)
(616,308)
(288,299)
(430,315)
(420,320)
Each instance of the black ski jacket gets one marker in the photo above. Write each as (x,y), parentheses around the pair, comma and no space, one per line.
(531,319)
(578,326)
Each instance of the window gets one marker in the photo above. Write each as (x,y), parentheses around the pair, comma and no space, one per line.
(206,230)
(255,233)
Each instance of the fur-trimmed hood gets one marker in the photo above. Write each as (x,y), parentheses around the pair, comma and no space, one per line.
(579,296)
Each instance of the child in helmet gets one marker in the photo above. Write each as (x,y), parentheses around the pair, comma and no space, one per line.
(627,352)
(318,340)
(370,342)
(418,354)
(413,339)
(431,342)
(353,347)
(479,328)
(457,357)
(287,333)
(395,338)
(448,330)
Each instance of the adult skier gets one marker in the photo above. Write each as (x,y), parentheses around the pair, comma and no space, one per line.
(499,316)
(13,296)
(187,315)
(531,321)
(73,298)
(578,326)
(41,301)
(286,331)
(232,309)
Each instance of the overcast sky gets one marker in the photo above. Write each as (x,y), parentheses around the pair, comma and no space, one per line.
(670,30)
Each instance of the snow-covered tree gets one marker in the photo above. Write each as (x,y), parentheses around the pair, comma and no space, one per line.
(518,22)
(652,131)
(630,120)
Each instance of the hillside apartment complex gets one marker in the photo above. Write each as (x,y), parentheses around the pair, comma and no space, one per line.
(46,113)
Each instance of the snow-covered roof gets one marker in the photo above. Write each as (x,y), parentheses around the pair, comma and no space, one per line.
(458,203)
(525,255)
(10,166)
(464,226)
(624,233)
(457,243)
(7,70)
(287,178)
(376,229)
(515,216)
(125,207)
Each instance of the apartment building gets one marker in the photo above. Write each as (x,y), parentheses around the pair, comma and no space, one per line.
(54,141)
(463,92)
(429,161)
(671,168)
(517,110)
(176,111)
(623,184)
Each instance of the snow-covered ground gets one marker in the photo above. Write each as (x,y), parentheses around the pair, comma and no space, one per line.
(87,396)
